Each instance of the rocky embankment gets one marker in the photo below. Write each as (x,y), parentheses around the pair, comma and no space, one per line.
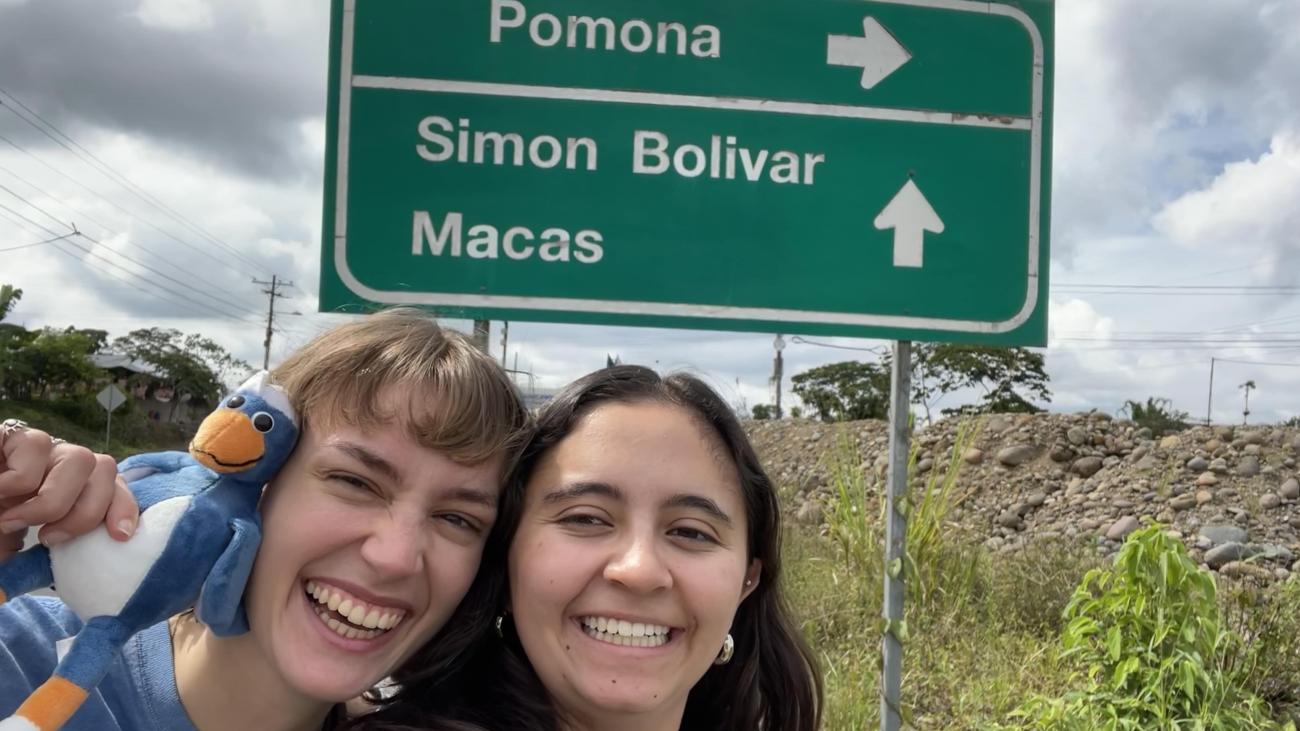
(1231,493)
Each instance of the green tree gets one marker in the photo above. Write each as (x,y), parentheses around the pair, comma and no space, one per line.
(15,371)
(9,296)
(190,364)
(1157,414)
(46,362)
(763,412)
(844,391)
(98,338)
(1011,379)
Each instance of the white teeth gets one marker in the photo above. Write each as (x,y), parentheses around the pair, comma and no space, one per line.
(626,634)
(358,614)
(369,621)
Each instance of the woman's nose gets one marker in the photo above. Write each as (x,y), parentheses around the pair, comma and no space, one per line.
(395,546)
(638,565)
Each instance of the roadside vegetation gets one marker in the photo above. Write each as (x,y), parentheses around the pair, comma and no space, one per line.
(1051,639)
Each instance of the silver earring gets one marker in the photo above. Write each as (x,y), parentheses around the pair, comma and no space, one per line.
(501,619)
(749,582)
(728,649)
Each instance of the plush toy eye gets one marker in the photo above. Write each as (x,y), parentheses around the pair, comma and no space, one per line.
(263,422)
(235,402)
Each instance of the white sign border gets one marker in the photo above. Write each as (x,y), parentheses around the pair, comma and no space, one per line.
(625,307)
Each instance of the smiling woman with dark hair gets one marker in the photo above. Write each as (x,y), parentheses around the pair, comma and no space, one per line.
(636,565)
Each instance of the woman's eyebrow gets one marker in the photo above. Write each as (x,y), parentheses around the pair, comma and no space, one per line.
(698,502)
(369,459)
(583,489)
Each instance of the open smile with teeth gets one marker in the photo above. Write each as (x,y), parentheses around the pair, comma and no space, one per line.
(350,617)
(624,633)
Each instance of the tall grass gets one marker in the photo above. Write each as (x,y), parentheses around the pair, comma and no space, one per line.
(980,626)
(985,630)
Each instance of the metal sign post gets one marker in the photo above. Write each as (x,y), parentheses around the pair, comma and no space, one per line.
(891,681)
(110,398)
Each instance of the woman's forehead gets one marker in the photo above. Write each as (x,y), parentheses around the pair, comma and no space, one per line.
(646,444)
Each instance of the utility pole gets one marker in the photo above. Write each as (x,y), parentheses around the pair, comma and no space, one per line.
(505,340)
(1245,412)
(1209,400)
(778,369)
(273,292)
(480,336)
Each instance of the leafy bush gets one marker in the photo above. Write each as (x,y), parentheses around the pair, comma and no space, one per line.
(1149,645)
(1158,415)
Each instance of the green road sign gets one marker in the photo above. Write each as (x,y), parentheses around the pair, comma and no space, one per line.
(867,167)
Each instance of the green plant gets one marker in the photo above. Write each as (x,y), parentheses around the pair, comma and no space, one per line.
(1158,415)
(853,527)
(1148,644)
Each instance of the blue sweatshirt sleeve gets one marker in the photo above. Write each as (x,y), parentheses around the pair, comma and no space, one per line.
(30,627)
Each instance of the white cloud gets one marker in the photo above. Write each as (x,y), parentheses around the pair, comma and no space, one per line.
(178,15)
(1250,207)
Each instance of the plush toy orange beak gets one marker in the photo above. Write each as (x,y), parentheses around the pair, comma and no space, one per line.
(227,442)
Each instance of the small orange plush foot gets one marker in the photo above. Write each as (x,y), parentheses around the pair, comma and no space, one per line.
(52,704)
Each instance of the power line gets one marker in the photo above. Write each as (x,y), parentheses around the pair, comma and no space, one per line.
(180,298)
(107,230)
(142,265)
(37,243)
(1258,362)
(121,208)
(1161,287)
(803,341)
(1204,293)
(108,171)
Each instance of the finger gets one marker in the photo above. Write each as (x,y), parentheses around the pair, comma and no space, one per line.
(26,454)
(71,469)
(123,512)
(10,544)
(88,509)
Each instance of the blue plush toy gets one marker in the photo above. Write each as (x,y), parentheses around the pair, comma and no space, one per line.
(194,547)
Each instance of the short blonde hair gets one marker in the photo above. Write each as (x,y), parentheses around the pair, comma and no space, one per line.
(461,402)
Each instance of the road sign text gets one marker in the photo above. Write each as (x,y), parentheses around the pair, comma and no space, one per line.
(581,31)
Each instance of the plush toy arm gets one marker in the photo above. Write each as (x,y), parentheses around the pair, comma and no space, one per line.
(148,463)
(220,604)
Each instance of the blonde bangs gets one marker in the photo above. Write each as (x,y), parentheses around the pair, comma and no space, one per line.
(456,399)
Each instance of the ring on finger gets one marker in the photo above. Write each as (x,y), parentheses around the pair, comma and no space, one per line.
(11,426)
(55,441)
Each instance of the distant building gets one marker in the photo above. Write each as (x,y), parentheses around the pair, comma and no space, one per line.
(151,394)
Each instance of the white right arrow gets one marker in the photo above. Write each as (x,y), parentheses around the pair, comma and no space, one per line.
(910,215)
(875,52)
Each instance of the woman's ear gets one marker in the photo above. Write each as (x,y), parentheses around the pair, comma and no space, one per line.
(751,578)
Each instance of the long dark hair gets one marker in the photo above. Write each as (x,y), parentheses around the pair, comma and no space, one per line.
(772,682)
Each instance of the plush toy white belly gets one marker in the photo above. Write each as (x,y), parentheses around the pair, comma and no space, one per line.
(96,575)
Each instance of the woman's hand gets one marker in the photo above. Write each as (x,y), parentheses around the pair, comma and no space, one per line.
(68,489)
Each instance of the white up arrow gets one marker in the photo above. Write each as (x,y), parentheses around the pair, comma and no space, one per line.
(910,215)
(875,52)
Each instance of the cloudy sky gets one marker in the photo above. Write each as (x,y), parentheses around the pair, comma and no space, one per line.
(189,153)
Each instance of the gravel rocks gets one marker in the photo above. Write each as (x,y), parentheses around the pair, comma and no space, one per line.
(1022,478)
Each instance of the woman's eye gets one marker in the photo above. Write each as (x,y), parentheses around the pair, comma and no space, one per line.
(693,534)
(582,520)
(351,481)
(459,521)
